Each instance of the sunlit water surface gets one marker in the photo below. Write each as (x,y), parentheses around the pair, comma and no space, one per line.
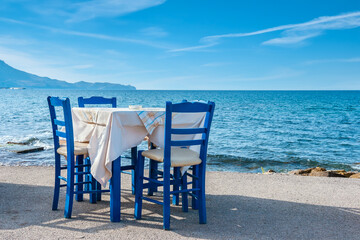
(281,130)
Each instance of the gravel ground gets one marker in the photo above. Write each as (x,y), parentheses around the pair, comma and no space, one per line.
(239,206)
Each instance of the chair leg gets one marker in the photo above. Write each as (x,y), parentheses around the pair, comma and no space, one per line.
(176,186)
(93,186)
(57,182)
(87,176)
(139,171)
(166,198)
(69,190)
(133,174)
(195,184)
(79,178)
(153,167)
(201,195)
(98,195)
(184,195)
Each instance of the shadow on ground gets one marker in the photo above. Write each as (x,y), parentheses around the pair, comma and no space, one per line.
(23,206)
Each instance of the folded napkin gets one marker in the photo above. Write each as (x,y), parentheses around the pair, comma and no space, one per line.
(151,119)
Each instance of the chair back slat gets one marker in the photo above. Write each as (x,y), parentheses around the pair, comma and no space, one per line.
(60,134)
(190,107)
(97,100)
(56,102)
(59,122)
(183,143)
(187,130)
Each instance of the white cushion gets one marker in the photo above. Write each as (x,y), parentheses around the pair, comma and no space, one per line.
(79,149)
(180,157)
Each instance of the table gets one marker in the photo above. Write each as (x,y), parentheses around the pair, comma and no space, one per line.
(111,131)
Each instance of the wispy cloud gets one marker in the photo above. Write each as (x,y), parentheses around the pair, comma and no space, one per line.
(195,48)
(7,39)
(83,66)
(291,33)
(171,82)
(89,35)
(28,62)
(154,32)
(78,11)
(62,67)
(109,8)
(291,39)
(335,60)
(215,64)
(272,76)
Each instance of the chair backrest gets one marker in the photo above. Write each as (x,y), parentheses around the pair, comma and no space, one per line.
(62,128)
(187,107)
(96,100)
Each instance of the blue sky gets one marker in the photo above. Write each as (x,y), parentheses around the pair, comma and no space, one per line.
(187,44)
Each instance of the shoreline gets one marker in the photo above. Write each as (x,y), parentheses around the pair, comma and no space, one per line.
(266,170)
(239,206)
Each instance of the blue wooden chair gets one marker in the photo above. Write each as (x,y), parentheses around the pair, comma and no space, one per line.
(74,153)
(95,100)
(176,154)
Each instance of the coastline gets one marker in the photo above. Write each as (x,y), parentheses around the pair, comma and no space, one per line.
(239,206)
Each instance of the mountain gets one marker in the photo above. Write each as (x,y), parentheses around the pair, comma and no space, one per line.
(14,78)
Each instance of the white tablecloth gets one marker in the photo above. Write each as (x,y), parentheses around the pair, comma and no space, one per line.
(111,131)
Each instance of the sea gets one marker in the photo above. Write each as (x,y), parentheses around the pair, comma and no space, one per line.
(252,131)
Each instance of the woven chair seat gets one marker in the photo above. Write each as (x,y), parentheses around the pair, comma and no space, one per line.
(79,149)
(180,157)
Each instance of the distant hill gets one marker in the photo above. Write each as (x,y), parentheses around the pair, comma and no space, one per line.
(14,78)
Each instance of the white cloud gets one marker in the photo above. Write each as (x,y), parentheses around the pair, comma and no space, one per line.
(335,60)
(292,33)
(78,11)
(351,60)
(25,61)
(290,39)
(154,32)
(194,48)
(89,35)
(61,67)
(109,8)
(84,66)
(172,83)
(215,64)
(280,75)
(9,40)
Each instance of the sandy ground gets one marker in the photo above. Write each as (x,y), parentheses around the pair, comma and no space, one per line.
(239,206)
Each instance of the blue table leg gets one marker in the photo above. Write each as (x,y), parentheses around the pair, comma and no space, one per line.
(133,163)
(176,186)
(79,178)
(153,167)
(115,195)
(153,174)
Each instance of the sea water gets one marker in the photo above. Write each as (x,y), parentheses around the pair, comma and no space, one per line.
(281,130)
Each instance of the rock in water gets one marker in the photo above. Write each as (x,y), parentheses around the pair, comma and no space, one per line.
(325,174)
(306,172)
(356,175)
(318,169)
(270,171)
(22,148)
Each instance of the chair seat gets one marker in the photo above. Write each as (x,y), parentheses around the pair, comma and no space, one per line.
(79,149)
(180,157)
